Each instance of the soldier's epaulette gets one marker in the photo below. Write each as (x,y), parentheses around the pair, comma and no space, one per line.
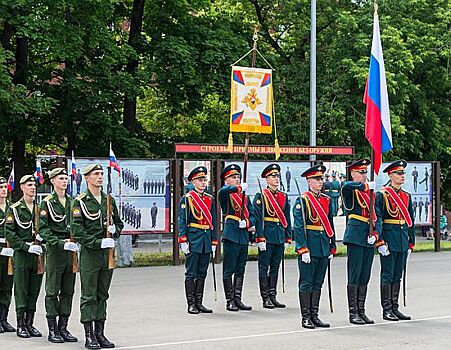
(208,195)
(47,198)
(325,195)
(80,196)
(15,204)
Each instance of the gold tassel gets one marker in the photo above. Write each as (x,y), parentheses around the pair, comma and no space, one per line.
(230,146)
(277,148)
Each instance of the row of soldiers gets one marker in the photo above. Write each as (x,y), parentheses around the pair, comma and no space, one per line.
(268,218)
(29,234)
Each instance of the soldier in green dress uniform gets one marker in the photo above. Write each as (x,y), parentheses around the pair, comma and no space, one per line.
(315,244)
(357,238)
(197,237)
(395,224)
(19,233)
(273,231)
(54,222)
(89,215)
(235,237)
(6,253)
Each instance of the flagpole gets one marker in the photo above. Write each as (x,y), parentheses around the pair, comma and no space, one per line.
(246,141)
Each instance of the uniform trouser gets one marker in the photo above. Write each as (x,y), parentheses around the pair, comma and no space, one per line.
(392,267)
(234,259)
(360,260)
(311,276)
(196,265)
(59,283)
(270,259)
(95,283)
(27,282)
(6,283)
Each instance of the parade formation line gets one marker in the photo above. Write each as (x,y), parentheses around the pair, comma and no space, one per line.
(250,336)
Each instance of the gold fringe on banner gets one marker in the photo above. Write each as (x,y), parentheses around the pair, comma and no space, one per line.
(230,146)
(277,148)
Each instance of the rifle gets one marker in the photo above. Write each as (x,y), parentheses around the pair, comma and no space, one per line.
(10,261)
(404,289)
(329,287)
(111,261)
(71,236)
(214,277)
(40,265)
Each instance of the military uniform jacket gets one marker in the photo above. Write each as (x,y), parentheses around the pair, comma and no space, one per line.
(314,239)
(19,226)
(391,224)
(232,214)
(268,227)
(54,221)
(357,213)
(89,223)
(326,188)
(2,231)
(194,227)
(335,189)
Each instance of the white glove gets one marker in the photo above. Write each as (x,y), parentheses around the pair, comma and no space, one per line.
(184,247)
(330,256)
(383,250)
(261,246)
(35,249)
(371,240)
(306,258)
(7,252)
(371,185)
(73,247)
(244,187)
(107,243)
(112,229)
(409,251)
(39,238)
(213,248)
(242,224)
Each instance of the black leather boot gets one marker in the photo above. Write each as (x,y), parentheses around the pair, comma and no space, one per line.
(304,302)
(91,341)
(361,298)
(65,334)
(22,330)
(238,290)
(228,291)
(190,290)
(314,309)
(200,283)
(100,336)
(395,288)
(29,320)
(264,292)
(354,316)
(273,292)
(387,310)
(4,321)
(1,328)
(54,333)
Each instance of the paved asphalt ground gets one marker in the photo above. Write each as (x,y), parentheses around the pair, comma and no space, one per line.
(147,310)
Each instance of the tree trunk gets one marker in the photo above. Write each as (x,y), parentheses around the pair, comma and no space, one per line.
(20,77)
(132,65)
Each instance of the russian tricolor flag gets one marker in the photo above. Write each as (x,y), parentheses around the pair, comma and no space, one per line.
(377,125)
(73,165)
(38,173)
(11,181)
(113,161)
